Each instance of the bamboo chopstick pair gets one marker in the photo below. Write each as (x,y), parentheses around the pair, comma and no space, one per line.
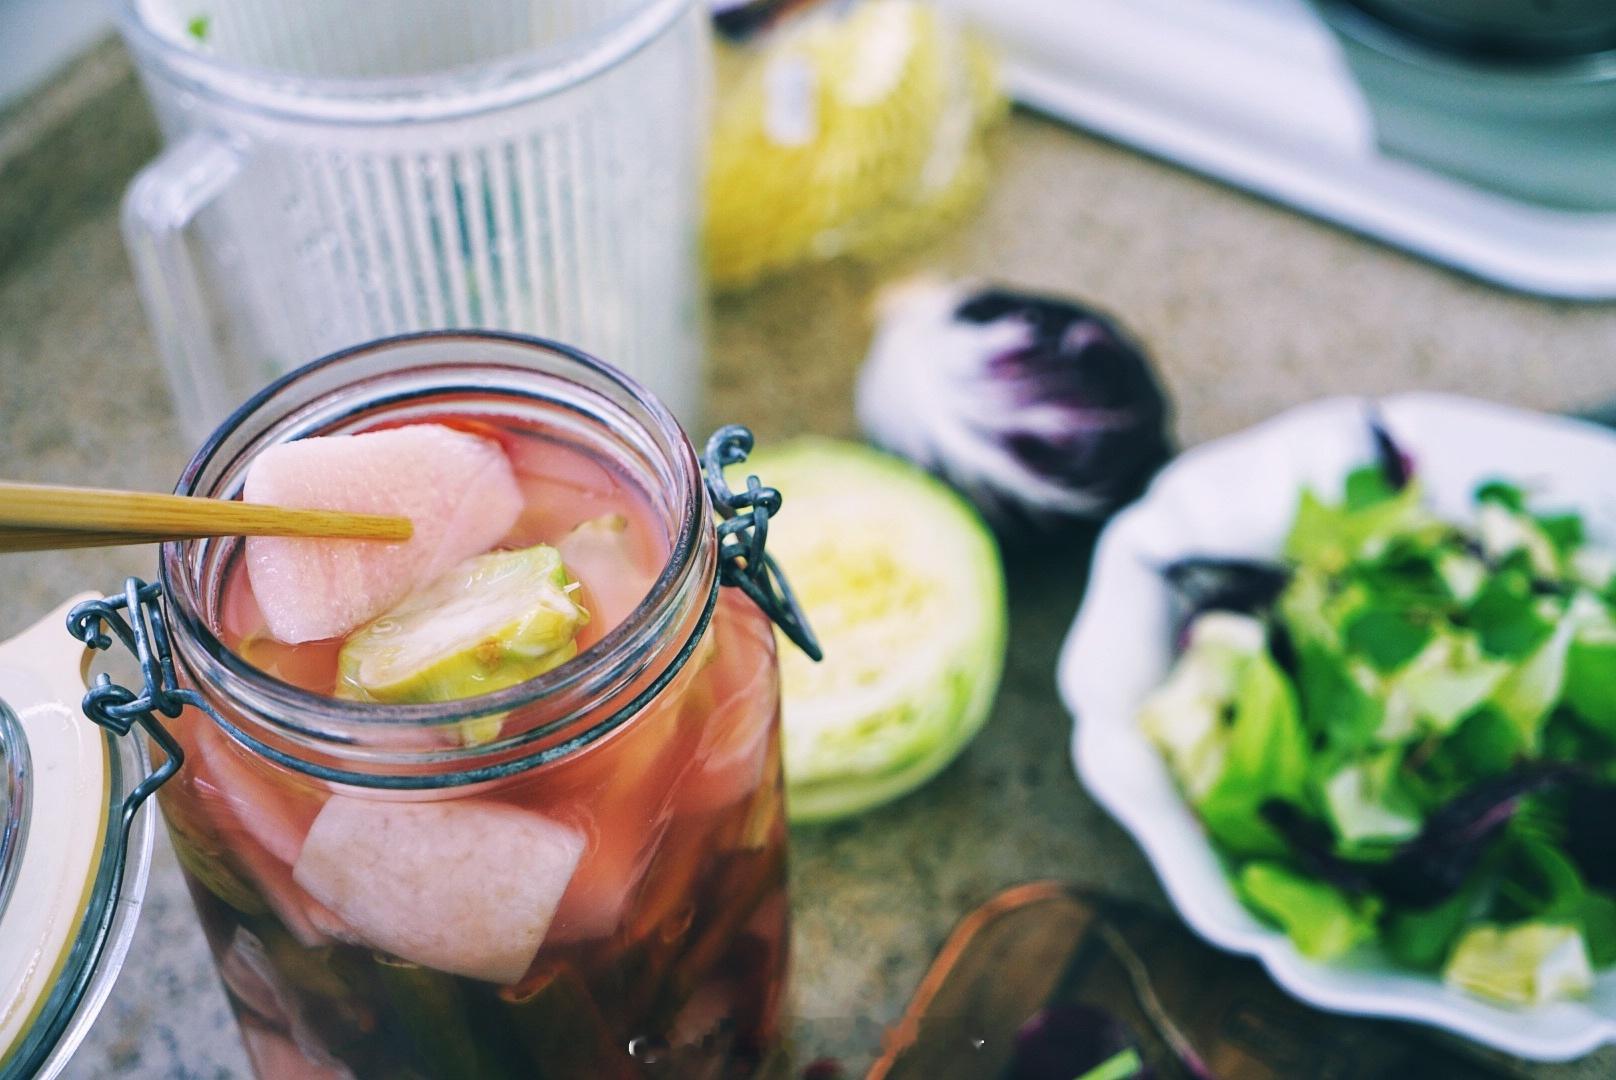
(38,517)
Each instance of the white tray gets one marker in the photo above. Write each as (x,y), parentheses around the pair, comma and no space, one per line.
(1256,93)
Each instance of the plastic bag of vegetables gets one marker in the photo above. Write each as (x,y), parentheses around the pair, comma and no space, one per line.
(844,130)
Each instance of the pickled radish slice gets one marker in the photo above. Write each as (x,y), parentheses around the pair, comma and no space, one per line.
(491,622)
(263,825)
(608,878)
(457,489)
(275,1057)
(275,815)
(738,712)
(617,575)
(625,785)
(465,887)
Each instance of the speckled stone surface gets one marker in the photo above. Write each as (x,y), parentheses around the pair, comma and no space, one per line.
(1247,308)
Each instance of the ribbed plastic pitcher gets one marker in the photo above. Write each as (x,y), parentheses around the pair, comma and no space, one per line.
(338,171)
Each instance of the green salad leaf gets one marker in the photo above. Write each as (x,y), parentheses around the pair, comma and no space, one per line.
(1321,920)
(1397,746)
(1266,757)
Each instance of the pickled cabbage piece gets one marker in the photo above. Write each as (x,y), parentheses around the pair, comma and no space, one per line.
(457,489)
(490,622)
(465,886)
(902,582)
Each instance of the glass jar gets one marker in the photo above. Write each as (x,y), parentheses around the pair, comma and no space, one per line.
(580,875)
(74,852)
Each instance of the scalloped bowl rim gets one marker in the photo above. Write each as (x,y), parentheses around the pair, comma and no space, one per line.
(1117,632)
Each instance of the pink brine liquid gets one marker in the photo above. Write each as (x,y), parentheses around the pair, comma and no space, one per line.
(666,952)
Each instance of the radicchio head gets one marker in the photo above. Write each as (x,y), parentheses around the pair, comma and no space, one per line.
(1039,410)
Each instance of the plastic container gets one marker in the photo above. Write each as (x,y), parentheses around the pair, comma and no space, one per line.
(337,171)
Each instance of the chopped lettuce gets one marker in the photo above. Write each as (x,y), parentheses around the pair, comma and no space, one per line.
(1366,801)
(1504,532)
(1265,757)
(1527,695)
(1422,938)
(1321,920)
(1448,680)
(1333,537)
(1527,964)
(1415,741)
(1186,717)
(1590,673)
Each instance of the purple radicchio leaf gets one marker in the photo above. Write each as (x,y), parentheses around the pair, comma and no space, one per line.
(1040,411)
(1245,586)
(1313,847)
(1432,866)
(1591,832)
(1067,1040)
(1396,464)
(1087,411)
(1206,583)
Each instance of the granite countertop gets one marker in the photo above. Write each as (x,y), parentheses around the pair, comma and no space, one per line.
(1247,308)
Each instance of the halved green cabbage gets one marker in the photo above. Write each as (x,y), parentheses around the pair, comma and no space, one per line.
(902,582)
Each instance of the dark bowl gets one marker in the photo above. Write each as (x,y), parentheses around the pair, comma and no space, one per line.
(1524,29)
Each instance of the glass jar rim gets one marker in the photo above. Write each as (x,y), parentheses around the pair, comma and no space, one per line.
(595,674)
(448,94)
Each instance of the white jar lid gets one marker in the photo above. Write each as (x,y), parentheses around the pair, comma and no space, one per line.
(56,787)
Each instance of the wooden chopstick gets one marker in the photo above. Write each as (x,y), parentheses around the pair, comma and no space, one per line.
(15,540)
(38,516)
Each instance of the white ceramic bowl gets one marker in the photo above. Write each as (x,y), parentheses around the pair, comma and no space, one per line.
(1235,496)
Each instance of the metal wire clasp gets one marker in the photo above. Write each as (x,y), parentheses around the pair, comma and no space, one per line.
(742,562)
(116,707)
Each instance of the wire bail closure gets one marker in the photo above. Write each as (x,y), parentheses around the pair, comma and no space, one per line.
(744,531)
(116,707)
